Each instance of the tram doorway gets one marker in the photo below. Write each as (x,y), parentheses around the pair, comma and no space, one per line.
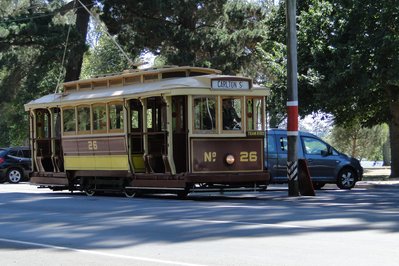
(180,133)
(47,149)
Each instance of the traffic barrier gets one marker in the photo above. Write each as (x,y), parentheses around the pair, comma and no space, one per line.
(304,181)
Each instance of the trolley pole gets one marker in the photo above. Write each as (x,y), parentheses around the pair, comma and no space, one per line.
(292,102)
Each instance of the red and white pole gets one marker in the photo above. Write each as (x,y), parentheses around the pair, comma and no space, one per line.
(292,103)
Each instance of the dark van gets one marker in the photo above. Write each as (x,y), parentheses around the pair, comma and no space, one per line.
(325,164)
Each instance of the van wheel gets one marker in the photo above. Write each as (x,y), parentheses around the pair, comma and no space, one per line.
(318,185)
(346,178)
(14,175)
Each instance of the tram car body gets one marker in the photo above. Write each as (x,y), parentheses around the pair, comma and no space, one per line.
(170,129)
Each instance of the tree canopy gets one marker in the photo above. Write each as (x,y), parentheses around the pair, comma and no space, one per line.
(220,34)
(348,54)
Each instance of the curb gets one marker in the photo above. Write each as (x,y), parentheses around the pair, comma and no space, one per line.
(377,184)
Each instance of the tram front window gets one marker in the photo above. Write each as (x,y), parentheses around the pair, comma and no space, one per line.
(231,113)
(254,114)
(204,113)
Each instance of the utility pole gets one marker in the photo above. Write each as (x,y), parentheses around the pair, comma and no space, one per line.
(292,102)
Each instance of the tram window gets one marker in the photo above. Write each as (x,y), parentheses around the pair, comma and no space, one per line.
(84,119)
(231,113)
(69,120)
(254,114)
(178,114)
(57,122)
(42,124)
(115,117)
(204,113)
(99,118)
(136,115)
(135,119)
(156,114)
(149,118)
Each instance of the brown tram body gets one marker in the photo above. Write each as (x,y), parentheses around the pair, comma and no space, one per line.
(154,130)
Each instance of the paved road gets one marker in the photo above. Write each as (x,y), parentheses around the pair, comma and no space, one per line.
(357,227)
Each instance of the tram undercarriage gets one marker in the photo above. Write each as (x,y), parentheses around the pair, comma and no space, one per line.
(160,183)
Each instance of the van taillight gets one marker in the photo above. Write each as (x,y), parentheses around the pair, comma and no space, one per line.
(1,160)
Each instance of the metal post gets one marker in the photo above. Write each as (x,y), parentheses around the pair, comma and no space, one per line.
(292,103)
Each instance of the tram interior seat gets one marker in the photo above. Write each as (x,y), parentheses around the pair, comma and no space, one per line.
(155,163)
(56,163)
(147,163)
(166,163)
(39,164)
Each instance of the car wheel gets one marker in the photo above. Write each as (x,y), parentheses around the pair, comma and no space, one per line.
(14,175)
(346,178)
(318,185)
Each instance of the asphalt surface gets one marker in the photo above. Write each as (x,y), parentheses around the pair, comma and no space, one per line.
(336,227)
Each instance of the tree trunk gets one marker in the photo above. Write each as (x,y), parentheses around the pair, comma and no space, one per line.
(75,57)
(386,153)
(394,129)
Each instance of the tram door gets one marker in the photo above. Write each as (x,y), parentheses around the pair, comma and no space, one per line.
(136,135)
(156,133)
(47,140)
(180,133)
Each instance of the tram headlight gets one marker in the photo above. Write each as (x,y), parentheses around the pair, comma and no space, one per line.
(230,159)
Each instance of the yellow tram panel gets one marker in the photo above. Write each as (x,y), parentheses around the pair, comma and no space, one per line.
(97,162)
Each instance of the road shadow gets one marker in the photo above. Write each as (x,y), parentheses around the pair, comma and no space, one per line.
(113,221)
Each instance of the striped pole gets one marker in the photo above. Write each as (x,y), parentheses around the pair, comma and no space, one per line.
(292,103)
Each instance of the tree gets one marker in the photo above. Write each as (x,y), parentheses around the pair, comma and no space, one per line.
(348,63)
(359,142)
(32,41)
(103,58)
(220,34)
(78,47)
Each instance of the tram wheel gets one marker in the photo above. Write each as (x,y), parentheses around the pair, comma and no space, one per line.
(89,192)
(129,193)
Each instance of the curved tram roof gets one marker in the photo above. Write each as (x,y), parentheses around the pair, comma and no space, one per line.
(145,83)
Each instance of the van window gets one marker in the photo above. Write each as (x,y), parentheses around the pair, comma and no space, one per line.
(314,146)
(283,144)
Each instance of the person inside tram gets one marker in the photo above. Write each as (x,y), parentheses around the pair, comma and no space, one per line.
(231,120)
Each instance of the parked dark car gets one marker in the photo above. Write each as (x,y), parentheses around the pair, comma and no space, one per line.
(15,164)
(325,164)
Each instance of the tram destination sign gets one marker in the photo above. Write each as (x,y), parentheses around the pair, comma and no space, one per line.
(231,84)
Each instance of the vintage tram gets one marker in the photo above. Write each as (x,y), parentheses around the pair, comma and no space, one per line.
(170,129)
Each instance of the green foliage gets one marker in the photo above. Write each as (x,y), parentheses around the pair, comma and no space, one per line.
(220,34)
(364,143)
(347,62)
(31,47)
(103,58)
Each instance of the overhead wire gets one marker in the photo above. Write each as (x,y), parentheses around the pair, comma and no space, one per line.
(39,16)
(108,34)
(63,57)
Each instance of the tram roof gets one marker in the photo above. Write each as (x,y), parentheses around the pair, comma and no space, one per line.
(165,81)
